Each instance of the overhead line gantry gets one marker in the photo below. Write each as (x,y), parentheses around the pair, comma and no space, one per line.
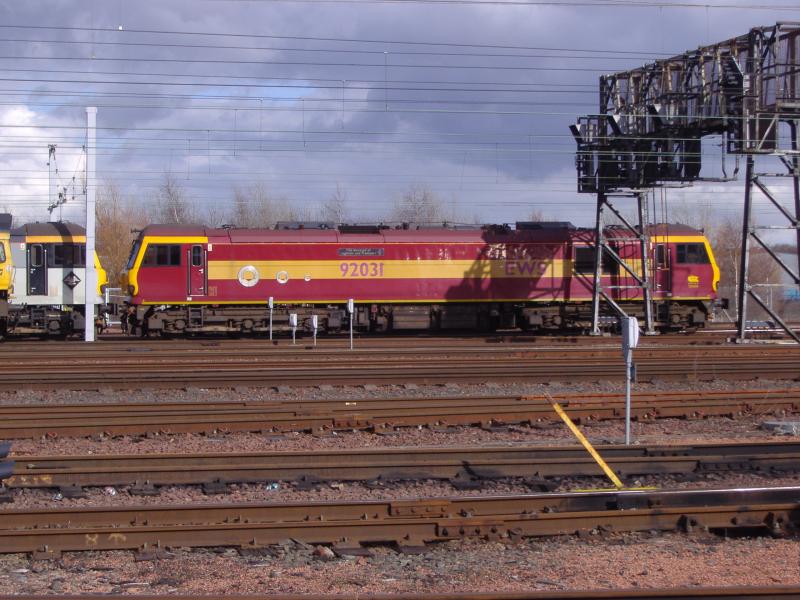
(648,134)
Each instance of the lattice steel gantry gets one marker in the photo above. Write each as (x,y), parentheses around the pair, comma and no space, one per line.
(651,122)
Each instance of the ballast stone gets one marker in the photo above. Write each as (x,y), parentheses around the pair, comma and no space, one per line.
(782,427)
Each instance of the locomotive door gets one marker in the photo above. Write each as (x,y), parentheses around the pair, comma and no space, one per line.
(197,270)
(662,263)
(37,270)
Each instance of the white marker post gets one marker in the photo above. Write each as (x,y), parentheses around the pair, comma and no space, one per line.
(351,308)
(630,339)
(293,325)
(314,325)
(270,302)
(91,188)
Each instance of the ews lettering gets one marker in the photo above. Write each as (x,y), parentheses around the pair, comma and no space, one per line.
(525,268)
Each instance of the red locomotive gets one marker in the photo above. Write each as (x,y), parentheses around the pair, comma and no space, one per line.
(537,276)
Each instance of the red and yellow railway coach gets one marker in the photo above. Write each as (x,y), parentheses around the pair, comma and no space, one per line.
(534,276)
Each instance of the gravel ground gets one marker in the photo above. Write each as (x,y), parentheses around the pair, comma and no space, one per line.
(614,562)
(323,392)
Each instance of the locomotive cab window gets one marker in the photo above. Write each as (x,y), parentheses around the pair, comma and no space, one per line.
(2,253)
(162,255)
(134,253)
(583,259)
(694,254)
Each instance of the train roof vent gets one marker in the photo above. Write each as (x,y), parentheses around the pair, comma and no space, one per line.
(5,221)
(443,225)
(544,225)
(465,226)
(295,225)
(375,228)
(497,228)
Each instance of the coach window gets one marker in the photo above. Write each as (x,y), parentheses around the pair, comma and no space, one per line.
(197,256)
(57,256)
(694,254)
(584,261)
(162,255)
(67,255)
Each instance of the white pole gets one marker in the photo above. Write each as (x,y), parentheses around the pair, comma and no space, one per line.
(351,307)
(91,188)
(270,302)
(293,323)
(628,366)
(630,339)
(314,325)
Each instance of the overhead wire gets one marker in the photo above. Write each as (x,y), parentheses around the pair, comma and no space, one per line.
(127,131)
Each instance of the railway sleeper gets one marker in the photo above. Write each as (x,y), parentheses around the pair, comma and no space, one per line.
(143,488)
(72,491)
(215,487)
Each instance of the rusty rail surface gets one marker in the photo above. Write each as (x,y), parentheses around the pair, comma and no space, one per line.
(726,593)
(82,368)
(462,466)
(714,333)
(409,524)
(378,414)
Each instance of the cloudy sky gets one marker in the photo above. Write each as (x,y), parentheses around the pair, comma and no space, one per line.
(470,99)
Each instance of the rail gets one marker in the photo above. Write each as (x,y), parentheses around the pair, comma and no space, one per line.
(377,414)
(408,524)
(461,466)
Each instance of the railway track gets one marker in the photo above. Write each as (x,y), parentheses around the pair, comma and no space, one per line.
(80,367)
(377,414)
(408,524)
(728,593)
(462,466)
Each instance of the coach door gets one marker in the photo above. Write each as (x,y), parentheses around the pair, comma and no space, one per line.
(37,270)
(197,270)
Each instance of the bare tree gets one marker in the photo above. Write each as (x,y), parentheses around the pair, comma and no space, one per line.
(171,204)
(117,217)
(243,210)
(726,240)
(214,215)
(420,205)
(254,206)
(697,214)
(537,215)
(335,208)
